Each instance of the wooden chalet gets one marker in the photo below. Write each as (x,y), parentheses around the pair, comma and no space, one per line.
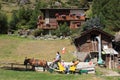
(52,18)
(88,47)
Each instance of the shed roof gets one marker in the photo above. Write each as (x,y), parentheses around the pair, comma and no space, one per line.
(95,30)
(110,51)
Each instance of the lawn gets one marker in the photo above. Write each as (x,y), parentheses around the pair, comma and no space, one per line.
(30,75)
(15,49)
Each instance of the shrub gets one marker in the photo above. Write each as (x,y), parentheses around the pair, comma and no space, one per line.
(37,32)
(63,30)
(3,23)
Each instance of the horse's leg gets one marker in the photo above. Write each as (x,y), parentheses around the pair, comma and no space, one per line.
(47,67)
(33,68)
(43,69)
(26,67)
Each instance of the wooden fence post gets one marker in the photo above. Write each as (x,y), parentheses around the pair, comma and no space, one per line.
(26,67)
(11,65)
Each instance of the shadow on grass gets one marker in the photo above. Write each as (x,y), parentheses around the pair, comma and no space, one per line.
(16,68)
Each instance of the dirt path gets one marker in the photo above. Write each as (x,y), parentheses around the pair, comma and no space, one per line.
(107,72)
(111,73)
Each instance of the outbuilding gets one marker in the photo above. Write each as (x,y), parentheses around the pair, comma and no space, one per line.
(96,45)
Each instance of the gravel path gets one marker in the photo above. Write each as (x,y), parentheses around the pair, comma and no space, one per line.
(111,73)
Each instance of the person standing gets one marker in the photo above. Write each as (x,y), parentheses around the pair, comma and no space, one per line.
(57,59)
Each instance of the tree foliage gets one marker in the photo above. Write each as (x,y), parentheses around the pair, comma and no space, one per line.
(110,11)
(14,20)
(78,3)
(3,23)
(63,30)
(37,32)
(0,6)
(25,18)
(93,22)
(20,18)
(24,14)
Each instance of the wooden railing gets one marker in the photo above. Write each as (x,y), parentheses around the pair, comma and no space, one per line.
(68,17)
(13,65)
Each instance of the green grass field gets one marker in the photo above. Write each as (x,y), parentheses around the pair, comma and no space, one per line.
(27,75)
(30,75)
(14,49)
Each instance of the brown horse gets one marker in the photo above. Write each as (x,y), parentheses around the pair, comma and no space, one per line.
(36,63)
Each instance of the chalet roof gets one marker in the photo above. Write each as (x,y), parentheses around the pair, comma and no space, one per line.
(95,30)
(63,8)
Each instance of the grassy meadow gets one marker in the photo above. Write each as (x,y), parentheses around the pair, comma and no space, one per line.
(29,75)
(15,49)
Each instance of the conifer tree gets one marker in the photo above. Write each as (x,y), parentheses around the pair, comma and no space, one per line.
(110,13)
(13,22)
(3,23)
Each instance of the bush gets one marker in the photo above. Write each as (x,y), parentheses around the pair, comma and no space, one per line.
(3,23)
(37,32)
(63,30)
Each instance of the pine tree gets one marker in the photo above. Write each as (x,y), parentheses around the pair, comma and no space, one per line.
(110,13)
(93,22)
(0,6)
(3,23)
(13,22)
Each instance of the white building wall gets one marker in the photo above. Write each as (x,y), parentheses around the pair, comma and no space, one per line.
(81,12)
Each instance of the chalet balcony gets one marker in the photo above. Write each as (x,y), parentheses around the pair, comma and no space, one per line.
(70,17)
(48,26)
(51,25)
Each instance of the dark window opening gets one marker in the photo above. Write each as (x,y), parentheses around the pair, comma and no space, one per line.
(93,37)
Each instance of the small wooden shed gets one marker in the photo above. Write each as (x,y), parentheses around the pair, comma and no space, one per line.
(87,42)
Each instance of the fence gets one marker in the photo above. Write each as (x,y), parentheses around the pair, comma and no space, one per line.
(11,65)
